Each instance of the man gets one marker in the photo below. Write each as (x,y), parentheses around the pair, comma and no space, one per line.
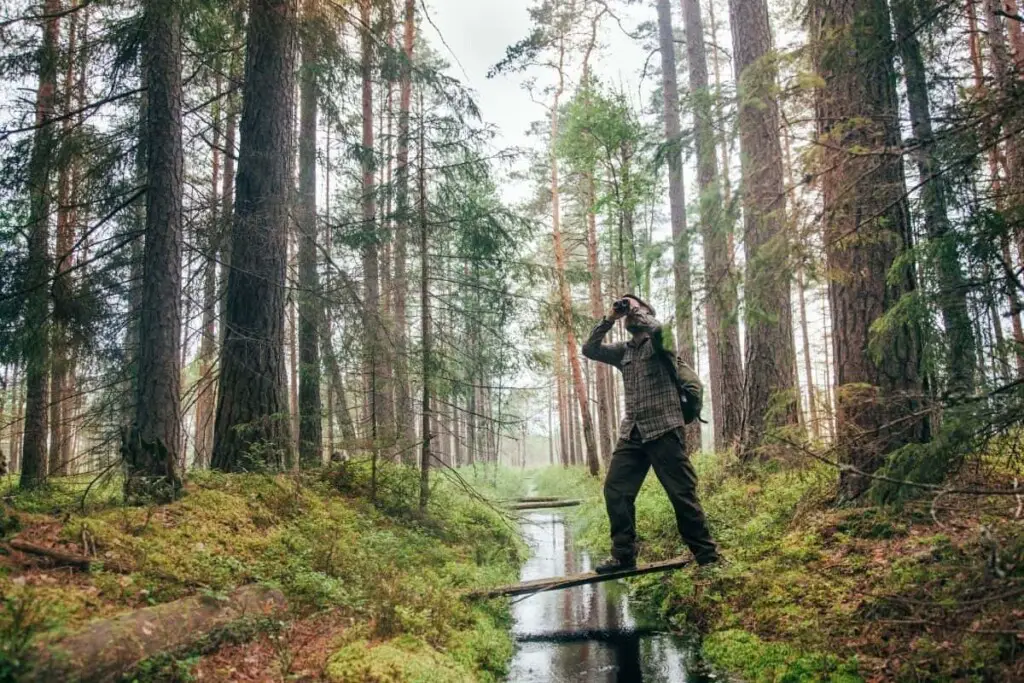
(651,433)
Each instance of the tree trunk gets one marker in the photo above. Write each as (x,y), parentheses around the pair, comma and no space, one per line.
(252,398)
(348,430)
(292,341)
(406,427)
(153,471)
(719,284)
(227,197)
(310,405)
(208,343)
(866,230)
(425,341)
(374,410)
(677,203)
(37,314)
(952,300)
(808,369)
(106,649)
(593,459)
(62,294)
(770,398)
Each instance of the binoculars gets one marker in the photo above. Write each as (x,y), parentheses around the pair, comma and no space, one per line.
(621,306)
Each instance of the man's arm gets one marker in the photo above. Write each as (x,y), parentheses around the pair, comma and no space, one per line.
(595,348)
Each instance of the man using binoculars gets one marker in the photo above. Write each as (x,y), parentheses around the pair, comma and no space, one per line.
(662,395)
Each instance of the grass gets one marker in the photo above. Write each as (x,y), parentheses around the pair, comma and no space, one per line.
(387,571)
(813,592)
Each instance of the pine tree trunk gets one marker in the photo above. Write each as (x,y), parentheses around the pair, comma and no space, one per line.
(37,314)
(348,431)
(252,397)
(310,404)
(425,341)
(952,300)
(62,294)
(677,204)
(292,341)
(227,197)
(152,448)
(866,230)
(808,369)
(593,459)
(722,302)
(406,427)
(770,356)
(208,344)
(375,416)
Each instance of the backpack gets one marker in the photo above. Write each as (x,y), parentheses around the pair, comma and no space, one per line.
(691,391)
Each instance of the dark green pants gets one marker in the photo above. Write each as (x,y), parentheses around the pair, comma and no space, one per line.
(626,474)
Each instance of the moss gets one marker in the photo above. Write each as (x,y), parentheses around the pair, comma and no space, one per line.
(389,567)
(809,589)
(403,660)
(765,662)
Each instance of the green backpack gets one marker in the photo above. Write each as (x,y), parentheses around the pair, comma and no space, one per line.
(691,391)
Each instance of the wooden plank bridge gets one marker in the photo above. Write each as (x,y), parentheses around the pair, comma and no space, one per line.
(561,582)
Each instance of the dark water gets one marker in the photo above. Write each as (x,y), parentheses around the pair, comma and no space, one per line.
(587,633)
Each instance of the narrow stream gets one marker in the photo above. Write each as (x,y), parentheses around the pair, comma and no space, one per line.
(587,633)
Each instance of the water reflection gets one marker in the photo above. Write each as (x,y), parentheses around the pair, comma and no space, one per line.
(586,633)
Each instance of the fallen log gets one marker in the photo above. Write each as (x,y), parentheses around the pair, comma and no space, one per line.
(560,582)
(107,649)
(63,558)
(544,504)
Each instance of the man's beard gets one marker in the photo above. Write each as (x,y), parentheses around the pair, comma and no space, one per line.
(635,328)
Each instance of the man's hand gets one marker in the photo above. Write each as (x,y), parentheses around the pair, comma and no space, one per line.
(616,315)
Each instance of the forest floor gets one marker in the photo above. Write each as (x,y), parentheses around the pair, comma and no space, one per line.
(370,588)
(812,591)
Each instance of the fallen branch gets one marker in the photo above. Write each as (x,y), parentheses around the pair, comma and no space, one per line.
(65,559)
(107,649)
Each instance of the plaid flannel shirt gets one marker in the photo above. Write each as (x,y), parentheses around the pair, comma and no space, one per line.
(652,398)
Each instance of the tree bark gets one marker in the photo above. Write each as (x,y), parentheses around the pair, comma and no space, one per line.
(37,314)
(770,398)
(721,301)
(106,649)
(62,294)
(310,404)
(252,404)
(677,203)
(406,428)
(425,341)
(961,358)
(866,230)
(154,470)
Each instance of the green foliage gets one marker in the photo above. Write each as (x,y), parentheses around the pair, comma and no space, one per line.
(403,659)
(23,616)
(393,569)
(762,662)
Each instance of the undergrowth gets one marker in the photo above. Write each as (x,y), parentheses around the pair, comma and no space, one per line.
(389,569)
(813,592)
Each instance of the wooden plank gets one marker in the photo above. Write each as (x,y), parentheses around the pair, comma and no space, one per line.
(560,582)
(544,504)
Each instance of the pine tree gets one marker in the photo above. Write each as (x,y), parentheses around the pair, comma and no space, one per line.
(876,349)
(152,447)
(252,429)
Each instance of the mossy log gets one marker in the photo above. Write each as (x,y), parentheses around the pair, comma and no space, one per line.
(107,649)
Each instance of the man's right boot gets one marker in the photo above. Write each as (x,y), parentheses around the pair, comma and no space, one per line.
(616,564)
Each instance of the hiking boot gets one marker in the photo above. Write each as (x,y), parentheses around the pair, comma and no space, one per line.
(615,564)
